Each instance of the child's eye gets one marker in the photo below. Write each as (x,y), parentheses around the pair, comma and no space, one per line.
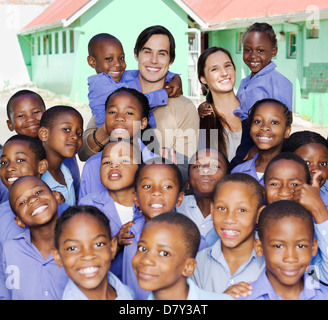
(279,246)
(323,163)
(220,208)
(100,244)
(71,248)
(66,129)
(129,113)
(294,185)
(307,162)
(109,59)
(167,187)
(122,58)
(21,116)
(20,160)
(146,186)
(22,203)
(164,253)
(257,121)
(38,192)
(3,163)
(273,184)
(142,249)
(260,50)
(274,122)
(196,166)
(241,210)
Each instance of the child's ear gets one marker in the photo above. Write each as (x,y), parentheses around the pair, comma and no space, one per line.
(287,132)
(135,199)
(259,212)
(10,125)
(91,61)
(43,134)
(274,51)
(43,166)
(190,267)
(258,247)
(59,197)
(203,80)
(180,198)
(314,247)
(144,123)
(19,222)
(188,185)
(113,247)
(57,257)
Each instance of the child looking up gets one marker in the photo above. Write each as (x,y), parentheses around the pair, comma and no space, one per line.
(127,113)
(270,122)
(206,168)
(82,232)
(119,163)
(165,259)
(106,56)
(61,130)
(39,277)
(231,262)
(287,243)
(158,188)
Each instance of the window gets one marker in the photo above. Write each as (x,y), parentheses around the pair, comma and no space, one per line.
(50,43)
(39,45)
(45,40)
(33,45)
(292,46)
(64,41)
(56,43)
(71,41)
(240,41)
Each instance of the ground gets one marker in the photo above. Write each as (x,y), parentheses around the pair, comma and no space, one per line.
(52,100)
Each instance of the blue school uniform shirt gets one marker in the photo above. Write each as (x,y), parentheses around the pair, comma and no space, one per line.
(213,273)
(72,165)
(267,83)
(102,85)
(189,208)
(249,168)
(72,292)
(195,293)
(90,178)
(32,277)
(105,203)
(263,290)
(67,191)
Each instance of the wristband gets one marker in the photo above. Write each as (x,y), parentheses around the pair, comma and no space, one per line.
(100,145)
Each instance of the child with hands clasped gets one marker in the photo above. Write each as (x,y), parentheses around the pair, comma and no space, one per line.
(230,263)
(165,259)
(158,188)
(287,243)
(37,275)
(270,124)
(85,248)
(61,130)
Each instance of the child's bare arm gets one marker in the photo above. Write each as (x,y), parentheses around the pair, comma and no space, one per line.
(174,87)
(240,289)
(204,109)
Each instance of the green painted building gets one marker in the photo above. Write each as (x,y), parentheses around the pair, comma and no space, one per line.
(54,44)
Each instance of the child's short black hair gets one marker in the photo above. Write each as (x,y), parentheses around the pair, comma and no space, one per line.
(190,233)
(97,38)
(246,179)
(288,156)
(288,114)
(34,144)
(159,160)
(74,210)
(263,27)
(279,210)
(10,103)
(137,155)
(225,159)
(301,138)
(52,114)
(145,108)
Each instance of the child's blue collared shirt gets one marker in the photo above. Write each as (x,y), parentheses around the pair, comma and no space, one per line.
(213,273)
(67,191)
(189,208)
(29,275)
(72,292)
(263,290)
(267,83)
(249,168)
(195,293)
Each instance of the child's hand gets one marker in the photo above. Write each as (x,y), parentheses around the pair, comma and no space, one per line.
(243,289)
(309,197)
(124,234)
(204,109)
(174,87)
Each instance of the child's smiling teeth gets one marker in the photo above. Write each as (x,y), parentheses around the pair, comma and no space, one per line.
(12,179)
(88,271)
(38,210)
(157,205)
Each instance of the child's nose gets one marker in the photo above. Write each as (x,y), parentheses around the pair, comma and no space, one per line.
(290,255)
(285,191)
(154,58)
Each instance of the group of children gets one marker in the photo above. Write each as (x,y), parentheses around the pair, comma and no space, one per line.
(130,229)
